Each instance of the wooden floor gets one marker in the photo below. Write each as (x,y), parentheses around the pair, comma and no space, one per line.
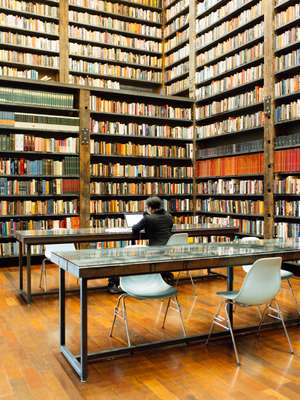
(31,366)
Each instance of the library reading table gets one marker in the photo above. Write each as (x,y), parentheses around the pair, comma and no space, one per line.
(101,263)
(30,238)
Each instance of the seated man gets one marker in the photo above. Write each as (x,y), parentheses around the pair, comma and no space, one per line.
(157,224)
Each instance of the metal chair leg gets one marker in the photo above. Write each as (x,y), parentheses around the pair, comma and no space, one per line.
(116,313)
(125,320)
(232,336)
(213,321)
(166,312)
(193,283)
(180,315)
(43,275)
(262,319)
(284,327)
(293,295)
(178,276)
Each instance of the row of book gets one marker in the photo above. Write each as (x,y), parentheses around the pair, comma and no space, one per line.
(175,25)
(115,170)
(13,72)
(289,14)
(217,14)
(178,87)
(287,208)
(24,167)
(238,60)
(231,125)
(226,27)
(176,40)
(230,186)
(289,111)
(118,9)
(36,60)
(9,227)
(93,82)
(176,71)
(30,7)
(287,230)
(289,185)
(117,222)
(11,249)
(289,60)
(250,207)
(176,9)
(231,82)
(29,24)
(145,130)
(237,102)
(142,150)
(21,142)
(115,71)
(35,97)
(231,44)
(41,43)
(177,55)
(287,37)
(250,146)
(139,109)
(39,121)
(39,207)
(285,161)
(116,206)
(113,39)
(114,24)
(246,226)
(9,187)
(142,188)
(114,54)
(288,86)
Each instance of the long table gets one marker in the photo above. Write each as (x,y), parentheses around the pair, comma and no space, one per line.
(29,238)
(93,264)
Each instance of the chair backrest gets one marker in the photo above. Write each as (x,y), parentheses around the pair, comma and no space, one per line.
(262,282)
(178,238)
(249,239)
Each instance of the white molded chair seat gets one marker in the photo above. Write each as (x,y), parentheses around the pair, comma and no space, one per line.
(260,286)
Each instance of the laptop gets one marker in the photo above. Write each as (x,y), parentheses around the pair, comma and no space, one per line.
(132,219)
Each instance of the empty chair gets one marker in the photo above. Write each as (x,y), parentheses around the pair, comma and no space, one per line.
(49,250)
(285,275)
(145,287)
(260,287)
(181,238)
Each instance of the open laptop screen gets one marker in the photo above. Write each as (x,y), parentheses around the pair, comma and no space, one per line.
(132,219)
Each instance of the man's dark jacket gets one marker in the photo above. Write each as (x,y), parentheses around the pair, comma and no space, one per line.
(157,226)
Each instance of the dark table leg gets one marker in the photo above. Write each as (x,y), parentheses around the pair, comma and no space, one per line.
(230,287)
(28,273)
(62,306)
(83,330)
(20,266)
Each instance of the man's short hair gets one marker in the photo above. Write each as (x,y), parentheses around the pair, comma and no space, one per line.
(154,202)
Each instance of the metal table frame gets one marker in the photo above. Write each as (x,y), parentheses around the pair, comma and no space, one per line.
(80,362)
(25,242)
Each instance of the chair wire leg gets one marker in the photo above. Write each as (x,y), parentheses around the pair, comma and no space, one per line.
(42,274)
(262,318)
(213,322)
(116,312)
(178,276)
(294,296)
(125,320)
(232,336)
(284,327)
(193,283)
(166,312)
(259,312)
(178,306)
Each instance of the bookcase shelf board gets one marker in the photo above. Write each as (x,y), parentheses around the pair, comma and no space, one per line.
(141,196)
(176,47)
(173,33)
(28,14)
(144,158)
(288,25)
(290,46)
(244,216)
(181,12)
(115,116)
(28,31)
(140,179)
(34,216)
(209,10)
(24,48)
(135,138)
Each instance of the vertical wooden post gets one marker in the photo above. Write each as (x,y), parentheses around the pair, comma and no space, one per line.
(269,108)
(192,87)
(64,41)
(163,57)
(84,114)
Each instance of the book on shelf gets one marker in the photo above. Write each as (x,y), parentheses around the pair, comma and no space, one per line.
(14,187)
(288,86)
(33,25)
(286,112)
(39,207)
(230,187)
(287,208)
(143,188)
(289,60)
(246,207)
(246,226)
(288,185)
(288,15)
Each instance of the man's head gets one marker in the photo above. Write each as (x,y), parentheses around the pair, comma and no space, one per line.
(153,204)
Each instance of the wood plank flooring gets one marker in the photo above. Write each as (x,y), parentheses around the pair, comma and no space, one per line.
(31,367)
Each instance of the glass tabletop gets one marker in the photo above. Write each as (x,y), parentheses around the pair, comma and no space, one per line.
(93,231)
(135,254)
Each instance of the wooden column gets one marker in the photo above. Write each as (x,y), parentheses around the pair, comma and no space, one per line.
(163,57)
(84,149)
(64,41)
(269,108)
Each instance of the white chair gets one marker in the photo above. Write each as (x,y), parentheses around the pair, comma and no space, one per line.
(144,287)
(260,286)
(285,275)
(181,238)
(49,250)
